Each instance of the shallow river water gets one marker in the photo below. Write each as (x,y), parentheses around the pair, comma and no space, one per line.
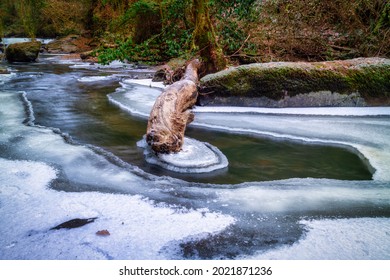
(300,183)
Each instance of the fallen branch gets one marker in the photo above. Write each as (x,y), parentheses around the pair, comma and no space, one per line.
(171,112)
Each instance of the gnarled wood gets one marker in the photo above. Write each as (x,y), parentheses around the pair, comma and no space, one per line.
(171,112)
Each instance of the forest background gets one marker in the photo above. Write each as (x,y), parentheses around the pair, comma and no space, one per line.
(245,30)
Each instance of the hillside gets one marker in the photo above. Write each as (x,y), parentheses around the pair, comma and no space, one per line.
(247,30)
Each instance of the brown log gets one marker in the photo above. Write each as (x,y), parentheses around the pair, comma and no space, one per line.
(171,112)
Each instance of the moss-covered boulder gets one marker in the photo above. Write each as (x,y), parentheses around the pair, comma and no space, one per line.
(23,52)
(355,82)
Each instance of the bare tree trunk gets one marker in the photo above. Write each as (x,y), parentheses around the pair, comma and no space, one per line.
(171,112)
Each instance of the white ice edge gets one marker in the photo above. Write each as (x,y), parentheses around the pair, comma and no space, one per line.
(195,157)
(132,111)
(318,111)
(91,79)
(145,82)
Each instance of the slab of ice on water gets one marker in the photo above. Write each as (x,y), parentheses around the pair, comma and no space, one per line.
(92,79)
(116,64)
(314,111)
(145,82)
(195,157)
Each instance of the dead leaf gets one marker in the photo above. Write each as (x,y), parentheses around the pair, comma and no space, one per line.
(103,232)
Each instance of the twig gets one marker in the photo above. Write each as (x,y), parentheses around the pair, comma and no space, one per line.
(342,48)
(241,46)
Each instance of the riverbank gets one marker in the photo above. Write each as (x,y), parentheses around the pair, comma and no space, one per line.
(356,82)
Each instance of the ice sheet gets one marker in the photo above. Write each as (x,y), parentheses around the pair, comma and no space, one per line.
(320,111)
(138,228)
(145,82)
(338,239)
(91,79)
(195,157)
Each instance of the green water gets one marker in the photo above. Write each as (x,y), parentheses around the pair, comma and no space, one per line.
(255,159)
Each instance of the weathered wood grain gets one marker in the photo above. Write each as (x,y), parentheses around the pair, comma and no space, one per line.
(171,112)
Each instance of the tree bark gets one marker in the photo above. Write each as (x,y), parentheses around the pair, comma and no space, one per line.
(205,40)
(171,112)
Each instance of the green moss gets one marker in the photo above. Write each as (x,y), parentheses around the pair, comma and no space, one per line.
(277,80)
(371,81)
(23,52)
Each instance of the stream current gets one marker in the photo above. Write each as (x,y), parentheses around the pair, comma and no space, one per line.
(301,183)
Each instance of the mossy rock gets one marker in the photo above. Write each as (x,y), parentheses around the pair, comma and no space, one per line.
(273,83)
(23,52)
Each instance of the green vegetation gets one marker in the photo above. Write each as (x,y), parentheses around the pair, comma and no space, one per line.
(155,32)
(241,31)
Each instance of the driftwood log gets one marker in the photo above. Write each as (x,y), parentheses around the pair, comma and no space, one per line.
(171,112)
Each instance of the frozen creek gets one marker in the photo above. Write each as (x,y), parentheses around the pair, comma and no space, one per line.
(51,172)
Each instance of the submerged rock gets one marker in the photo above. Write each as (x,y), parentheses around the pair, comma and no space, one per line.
(23,52)
(355,82)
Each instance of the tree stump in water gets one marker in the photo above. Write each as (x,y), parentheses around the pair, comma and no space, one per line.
(171,112)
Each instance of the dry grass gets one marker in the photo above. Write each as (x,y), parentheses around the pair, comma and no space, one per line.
(64,17)
(320,30)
